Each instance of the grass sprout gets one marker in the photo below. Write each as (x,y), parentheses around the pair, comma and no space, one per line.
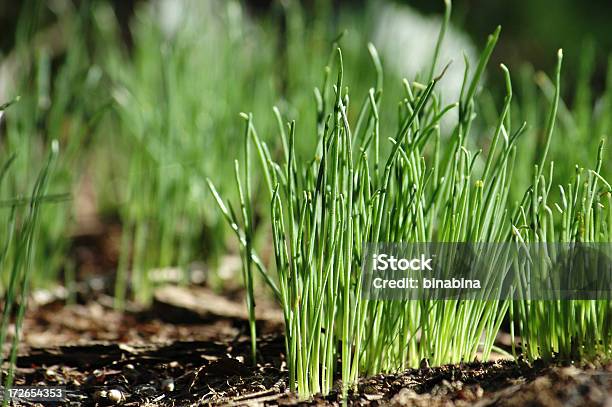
(17,257)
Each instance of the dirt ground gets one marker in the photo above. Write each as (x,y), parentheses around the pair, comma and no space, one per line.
(190,348)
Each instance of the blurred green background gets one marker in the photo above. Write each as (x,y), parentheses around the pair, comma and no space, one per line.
(144,98)
(530,28)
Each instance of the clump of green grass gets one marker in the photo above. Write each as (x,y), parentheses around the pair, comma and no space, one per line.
(56,103)
(174,99)
(177,95)
(561,328)
(417,185)
(18,252)
(324,209)
(569,329)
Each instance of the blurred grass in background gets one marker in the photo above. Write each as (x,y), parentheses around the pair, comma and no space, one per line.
(144,98)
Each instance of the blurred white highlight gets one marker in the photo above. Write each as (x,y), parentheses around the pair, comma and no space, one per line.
(406,41)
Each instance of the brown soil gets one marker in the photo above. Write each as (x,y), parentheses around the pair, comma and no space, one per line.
(189,353)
